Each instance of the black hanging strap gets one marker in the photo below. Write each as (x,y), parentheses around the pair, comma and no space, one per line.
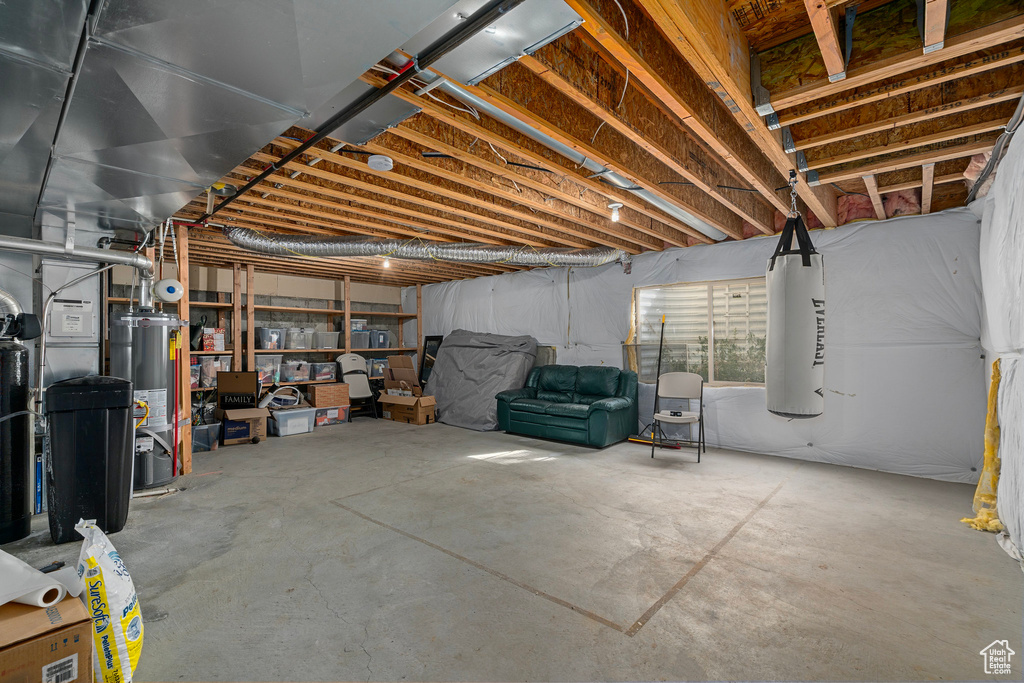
(794,225)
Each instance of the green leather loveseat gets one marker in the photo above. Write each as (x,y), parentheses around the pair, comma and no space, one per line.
(591,405)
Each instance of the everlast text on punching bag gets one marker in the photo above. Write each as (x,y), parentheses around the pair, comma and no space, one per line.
(794,373)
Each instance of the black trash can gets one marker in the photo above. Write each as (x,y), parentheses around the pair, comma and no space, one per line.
(89,462)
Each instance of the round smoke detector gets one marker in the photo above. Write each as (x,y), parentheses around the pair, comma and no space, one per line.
(379,162)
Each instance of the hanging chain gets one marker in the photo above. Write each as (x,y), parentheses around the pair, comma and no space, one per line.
(793,211)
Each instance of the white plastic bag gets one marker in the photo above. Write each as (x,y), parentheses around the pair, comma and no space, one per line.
(109,595)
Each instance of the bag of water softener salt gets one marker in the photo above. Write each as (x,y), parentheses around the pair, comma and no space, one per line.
(109,595)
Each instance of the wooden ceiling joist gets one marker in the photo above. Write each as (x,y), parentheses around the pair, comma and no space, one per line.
(826,32)
(673,84)
(909,161)
(492,132)
(913,184)
(577,70)
(522,94)
(876,198)
(586,225)
(966,43)
(935,13)
(927,187)
(1011,94)
(901,144)
(933,75)
(711,42)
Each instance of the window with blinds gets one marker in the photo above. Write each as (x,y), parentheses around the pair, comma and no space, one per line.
(715,329)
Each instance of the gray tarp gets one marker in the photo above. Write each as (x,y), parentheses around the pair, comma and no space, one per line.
(471,369)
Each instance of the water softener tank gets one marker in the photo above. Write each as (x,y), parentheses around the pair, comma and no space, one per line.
(15,444)
(140,351)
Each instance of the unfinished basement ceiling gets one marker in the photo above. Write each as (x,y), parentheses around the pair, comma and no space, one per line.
(647,90)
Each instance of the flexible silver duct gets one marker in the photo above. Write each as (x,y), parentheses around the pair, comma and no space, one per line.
(9,305)
(418,249)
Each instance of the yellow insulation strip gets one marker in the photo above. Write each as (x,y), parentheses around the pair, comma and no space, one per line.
(986,518)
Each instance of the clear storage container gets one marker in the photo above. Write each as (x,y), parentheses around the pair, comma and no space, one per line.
(357,324)
(379,339)
(266,366)
(295,371)
(210,366)
(298,338)
(325,340)
(205,437)
(291,421)
(360,339)
(269,338)
(323,371)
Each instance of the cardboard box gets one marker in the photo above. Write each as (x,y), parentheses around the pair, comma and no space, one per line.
(242,425)
(417,410)
(401,369)
(328,395)
(332,415)
(237,389)
(213,339)
(46,644)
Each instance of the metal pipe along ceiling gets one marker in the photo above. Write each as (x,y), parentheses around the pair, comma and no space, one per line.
(418,249)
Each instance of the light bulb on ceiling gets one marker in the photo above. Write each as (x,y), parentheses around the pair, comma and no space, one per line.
(615,206)
(387,262)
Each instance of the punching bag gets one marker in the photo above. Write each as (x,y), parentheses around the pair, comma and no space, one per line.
(794,374)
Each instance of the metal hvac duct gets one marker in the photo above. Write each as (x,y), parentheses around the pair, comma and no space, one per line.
(419,249)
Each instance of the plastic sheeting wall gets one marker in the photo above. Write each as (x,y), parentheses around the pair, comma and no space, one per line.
(904,377)
(1002,261)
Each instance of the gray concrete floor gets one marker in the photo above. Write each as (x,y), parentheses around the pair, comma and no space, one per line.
(380,551)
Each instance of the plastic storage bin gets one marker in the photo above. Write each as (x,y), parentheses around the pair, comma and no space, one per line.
(205,437)
(91,446)
(269,338)
(360,339)
(325,340)
(210,366)
(298,338)
(323,371)
(379,339)
(266,366)
(195,373)
(295,371)
(357,324)
(291,421)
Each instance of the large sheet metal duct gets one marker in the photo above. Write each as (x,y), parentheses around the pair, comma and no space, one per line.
(168,97)
(418,249)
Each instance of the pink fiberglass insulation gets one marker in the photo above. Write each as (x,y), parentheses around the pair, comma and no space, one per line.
(902,203)
(854,207)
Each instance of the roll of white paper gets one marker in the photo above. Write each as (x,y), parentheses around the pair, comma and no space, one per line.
(21,583)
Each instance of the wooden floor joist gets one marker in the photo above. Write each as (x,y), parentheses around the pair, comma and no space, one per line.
(964,44)
(927,186)
(876,198)
(911,160)
(713,46)
(913,184)
(826,32)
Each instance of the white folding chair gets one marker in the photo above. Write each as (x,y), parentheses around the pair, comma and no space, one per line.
(353,373)
(680,386)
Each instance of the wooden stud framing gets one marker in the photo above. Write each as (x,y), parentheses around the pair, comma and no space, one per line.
(185,433)
(876,198)
(927,187)
(935,24)
(348,314)
(236,317)
(419,322)
(250,316)
(827,34)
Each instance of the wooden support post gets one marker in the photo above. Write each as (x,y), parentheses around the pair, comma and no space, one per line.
(250,317)
(876,198)
(827,34)
(419,323)
(348,314)
(935,24)
(185,451)
(222,313)
(927,186)
(236,317)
